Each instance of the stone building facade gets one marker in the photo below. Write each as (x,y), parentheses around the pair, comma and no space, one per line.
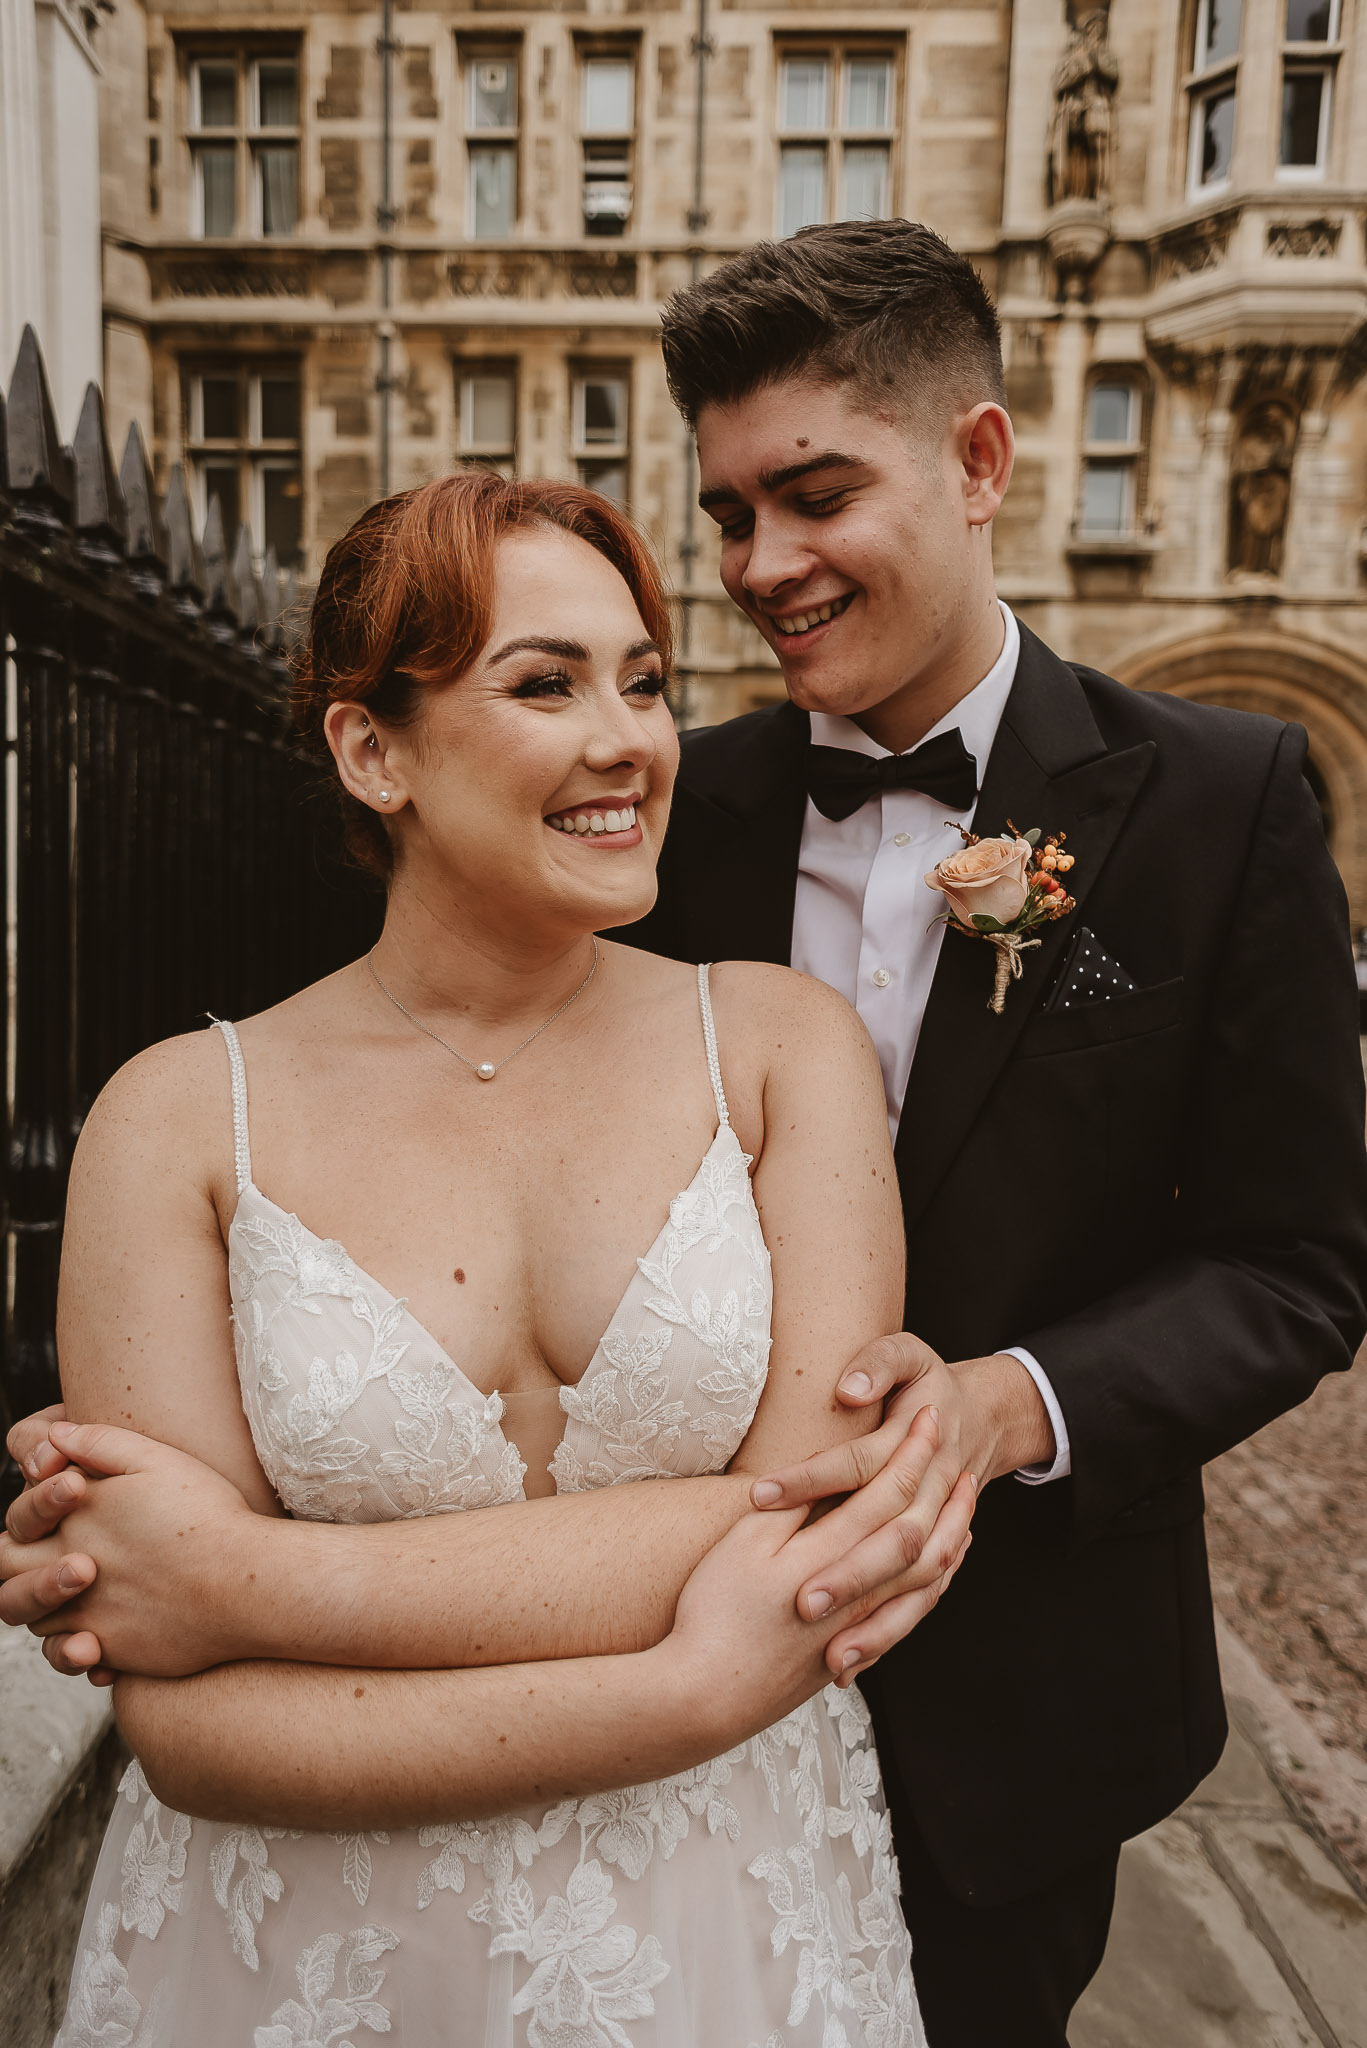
(50,273)
(345,248)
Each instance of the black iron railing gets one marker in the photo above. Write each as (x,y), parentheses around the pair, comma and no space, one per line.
(163,852)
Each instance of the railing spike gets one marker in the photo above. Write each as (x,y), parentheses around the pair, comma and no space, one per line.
(36,464)
(147,536)
(184,559)
(100,510)
(244,576)
(220,590)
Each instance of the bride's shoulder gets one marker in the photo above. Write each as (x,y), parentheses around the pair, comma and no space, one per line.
(171,1093)
(788,1023)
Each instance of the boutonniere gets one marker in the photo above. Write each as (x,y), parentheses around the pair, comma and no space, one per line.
(1000,890)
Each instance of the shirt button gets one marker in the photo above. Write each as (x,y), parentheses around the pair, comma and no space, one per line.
(881,977)
(901,839)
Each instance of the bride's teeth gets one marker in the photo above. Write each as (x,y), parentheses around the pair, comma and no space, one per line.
(628,817)
(581,823)
(612,820)
(596,823)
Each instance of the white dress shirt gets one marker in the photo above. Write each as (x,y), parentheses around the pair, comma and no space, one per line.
(865,922)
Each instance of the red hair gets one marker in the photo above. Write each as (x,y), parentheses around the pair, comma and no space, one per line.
(405,603)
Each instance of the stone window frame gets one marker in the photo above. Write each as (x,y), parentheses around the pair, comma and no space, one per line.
(1209,80)
(249,451)
(245,136)
(473,454)
(610,152)
(835,137)
(592,459)
(1133,452)
(1316,58)
(490,47)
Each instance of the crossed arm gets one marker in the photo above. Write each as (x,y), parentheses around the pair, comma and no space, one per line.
(595,1671)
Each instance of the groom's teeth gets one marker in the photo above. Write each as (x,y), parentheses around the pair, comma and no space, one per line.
(802,622)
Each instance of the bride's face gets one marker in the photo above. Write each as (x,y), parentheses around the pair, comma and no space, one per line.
(537,784)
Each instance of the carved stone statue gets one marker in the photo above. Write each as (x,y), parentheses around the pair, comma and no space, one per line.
(1080,142)
(1260,487)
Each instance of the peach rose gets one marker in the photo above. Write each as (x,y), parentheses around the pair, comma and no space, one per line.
(987,880)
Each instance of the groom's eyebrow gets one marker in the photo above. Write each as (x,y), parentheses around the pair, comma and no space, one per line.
(775,479)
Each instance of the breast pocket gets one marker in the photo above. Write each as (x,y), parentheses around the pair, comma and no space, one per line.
(1148,1010)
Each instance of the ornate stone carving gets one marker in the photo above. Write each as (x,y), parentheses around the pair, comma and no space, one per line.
(1080,142)
(227,278)
(1303,237)
(537,275)
(1193,249)
(1260,486)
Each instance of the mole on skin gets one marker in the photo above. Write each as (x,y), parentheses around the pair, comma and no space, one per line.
(802,440)
(459,1276)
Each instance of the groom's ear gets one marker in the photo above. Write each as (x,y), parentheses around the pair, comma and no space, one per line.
(985,453)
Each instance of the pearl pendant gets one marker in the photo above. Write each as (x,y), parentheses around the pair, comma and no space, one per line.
(486,1070)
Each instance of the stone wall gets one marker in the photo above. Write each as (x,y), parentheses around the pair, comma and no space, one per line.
(60,1761)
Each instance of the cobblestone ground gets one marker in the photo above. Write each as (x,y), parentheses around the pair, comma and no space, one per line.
(1287,1527)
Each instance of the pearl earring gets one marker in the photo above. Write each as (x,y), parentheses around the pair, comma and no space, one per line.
(384,796)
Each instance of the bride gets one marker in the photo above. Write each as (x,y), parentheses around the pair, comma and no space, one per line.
(513,1219)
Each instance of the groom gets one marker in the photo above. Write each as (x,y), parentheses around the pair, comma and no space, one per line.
(1136,1200)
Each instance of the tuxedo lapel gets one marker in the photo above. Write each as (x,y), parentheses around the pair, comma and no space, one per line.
(745,838)
(1048,768)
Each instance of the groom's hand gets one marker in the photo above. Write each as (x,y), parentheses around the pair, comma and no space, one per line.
(989,1420)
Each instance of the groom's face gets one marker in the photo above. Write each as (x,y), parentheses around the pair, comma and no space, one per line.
(846,537)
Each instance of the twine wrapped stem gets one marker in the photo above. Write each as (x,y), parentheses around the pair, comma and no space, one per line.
(1010,946)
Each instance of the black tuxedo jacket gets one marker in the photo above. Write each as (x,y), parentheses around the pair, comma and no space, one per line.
(1164,1197)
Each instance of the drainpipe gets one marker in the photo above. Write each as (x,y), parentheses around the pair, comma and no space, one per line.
(386,216)
(698,217)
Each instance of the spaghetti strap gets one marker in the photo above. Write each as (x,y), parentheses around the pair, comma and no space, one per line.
(709,1032)
(242,1151)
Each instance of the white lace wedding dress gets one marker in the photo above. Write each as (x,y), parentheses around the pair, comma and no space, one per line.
(750,1903)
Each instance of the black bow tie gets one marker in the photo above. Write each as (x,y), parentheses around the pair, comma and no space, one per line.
(839,781)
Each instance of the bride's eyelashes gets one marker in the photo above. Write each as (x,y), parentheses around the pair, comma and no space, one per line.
(557,682)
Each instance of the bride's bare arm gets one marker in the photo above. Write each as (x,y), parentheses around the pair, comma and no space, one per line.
(293,1745)
(145,1344)
(299,1746)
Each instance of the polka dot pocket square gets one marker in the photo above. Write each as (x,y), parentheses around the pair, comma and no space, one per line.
(1088,975)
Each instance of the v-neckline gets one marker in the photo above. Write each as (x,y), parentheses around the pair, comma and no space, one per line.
(400,1302)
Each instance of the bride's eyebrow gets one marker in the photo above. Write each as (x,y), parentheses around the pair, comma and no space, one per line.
(567,650)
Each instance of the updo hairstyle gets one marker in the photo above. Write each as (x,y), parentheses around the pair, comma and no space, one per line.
(405,603)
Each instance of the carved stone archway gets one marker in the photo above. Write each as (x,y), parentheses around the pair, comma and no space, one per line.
(1291,678)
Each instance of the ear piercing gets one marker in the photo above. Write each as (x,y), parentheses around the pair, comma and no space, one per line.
(384,796)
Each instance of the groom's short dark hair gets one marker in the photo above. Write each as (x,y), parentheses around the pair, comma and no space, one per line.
(884,305)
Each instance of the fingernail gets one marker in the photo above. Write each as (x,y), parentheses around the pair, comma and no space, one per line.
(857,1383)
(850,1657)
(63,1491)
(61,1432)
(819,1604)
(973,1481)
(32,1469)
(69,1579)
(765,1493)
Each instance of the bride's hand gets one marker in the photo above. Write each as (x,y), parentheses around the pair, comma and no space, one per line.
(745,1650)
(149,1537)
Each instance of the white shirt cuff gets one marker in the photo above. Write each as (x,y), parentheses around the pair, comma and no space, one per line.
(1040,1475)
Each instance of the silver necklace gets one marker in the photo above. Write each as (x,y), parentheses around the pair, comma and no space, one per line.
(485,1069)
